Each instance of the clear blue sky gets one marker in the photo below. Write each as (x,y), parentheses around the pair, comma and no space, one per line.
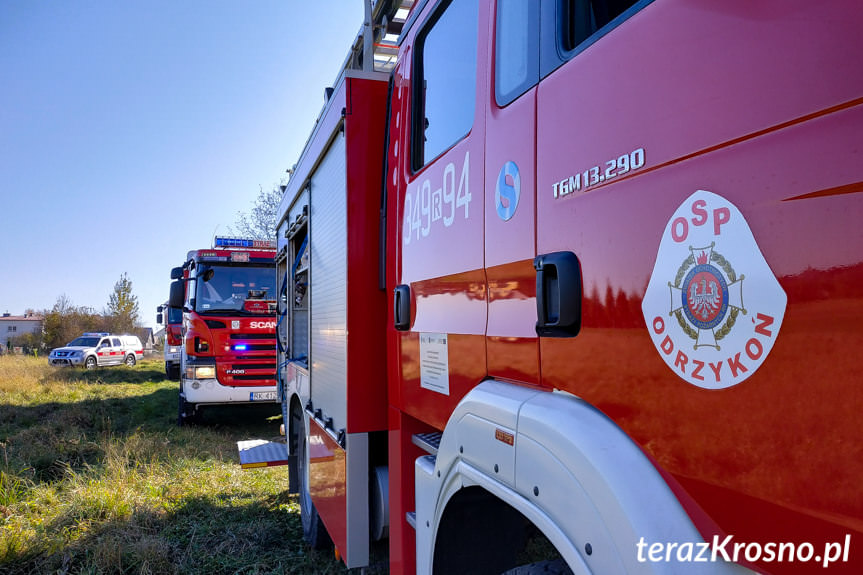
(130,132)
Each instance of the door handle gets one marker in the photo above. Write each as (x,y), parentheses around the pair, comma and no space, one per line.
(558,294)
(402,307)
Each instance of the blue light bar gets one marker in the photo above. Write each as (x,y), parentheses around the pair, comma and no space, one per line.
(241,347)
(230,242)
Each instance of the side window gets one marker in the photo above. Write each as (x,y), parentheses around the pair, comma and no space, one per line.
(516,49)
(116,342)
(105,343)
(444,90)
(581,19)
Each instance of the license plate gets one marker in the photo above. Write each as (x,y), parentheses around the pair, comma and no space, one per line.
(262,396)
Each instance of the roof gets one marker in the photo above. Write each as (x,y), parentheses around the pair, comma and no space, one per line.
(21,317)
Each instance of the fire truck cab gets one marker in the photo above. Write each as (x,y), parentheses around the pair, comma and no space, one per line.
(227,296)
(172,320)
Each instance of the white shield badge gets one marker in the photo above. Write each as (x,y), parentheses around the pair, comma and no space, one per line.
(713,306)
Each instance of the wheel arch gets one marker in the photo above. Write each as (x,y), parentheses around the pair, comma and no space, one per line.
(562,465)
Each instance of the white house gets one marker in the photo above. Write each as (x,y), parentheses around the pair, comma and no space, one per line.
(15,325)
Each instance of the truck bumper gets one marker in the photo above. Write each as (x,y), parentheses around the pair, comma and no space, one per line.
(67,361)
(211,391)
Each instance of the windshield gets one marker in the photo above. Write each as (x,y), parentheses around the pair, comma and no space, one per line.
(234,288)
(84,342)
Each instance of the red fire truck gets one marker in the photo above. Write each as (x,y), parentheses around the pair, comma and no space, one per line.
(227,294)
(609,292)
(172,319)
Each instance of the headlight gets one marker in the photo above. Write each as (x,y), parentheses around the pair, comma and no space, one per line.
(173,349)
(205,372)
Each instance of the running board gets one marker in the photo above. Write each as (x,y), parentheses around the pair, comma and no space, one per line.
(255,453)
(428,442)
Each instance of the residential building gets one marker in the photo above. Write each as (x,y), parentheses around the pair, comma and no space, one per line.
(12,326)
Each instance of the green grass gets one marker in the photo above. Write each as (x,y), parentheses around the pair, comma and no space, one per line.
(95,477)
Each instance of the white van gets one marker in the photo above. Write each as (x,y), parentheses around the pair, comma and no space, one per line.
(99,349)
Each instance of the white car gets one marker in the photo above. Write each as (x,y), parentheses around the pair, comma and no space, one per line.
(99,349)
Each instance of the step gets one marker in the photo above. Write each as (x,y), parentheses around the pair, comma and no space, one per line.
(255,453)
(428,442)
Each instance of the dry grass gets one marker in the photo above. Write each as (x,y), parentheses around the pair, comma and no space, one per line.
(96,478)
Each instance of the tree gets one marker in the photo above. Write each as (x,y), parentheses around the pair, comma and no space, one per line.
(30,342)
(260,222)
(122,307)
(65,322)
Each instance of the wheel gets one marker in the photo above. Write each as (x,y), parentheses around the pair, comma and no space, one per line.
(130,360)
(90,362)
(314,531)
(187,413)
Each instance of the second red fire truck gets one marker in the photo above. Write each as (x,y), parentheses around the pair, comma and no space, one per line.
(588,272)
(172,319)
(227,295)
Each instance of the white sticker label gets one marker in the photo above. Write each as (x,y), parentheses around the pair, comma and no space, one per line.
(713,307)
(434,362)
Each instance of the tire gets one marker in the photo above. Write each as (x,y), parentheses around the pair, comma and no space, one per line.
(314,532)
(90,362)
(187,413)
(130,360)
(552,567)
(173,372)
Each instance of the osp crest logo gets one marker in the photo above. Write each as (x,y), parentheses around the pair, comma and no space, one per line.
(713,306)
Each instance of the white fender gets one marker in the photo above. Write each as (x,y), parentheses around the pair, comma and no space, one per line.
(567,468)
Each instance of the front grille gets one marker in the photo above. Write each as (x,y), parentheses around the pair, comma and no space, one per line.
(255,378)
(261,347)
(254,366)
(253,336)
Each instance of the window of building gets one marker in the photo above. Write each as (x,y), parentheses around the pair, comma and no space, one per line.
(516,61)
(13,328)
(444,91)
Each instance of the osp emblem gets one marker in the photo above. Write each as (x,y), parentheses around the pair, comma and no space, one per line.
(713,306)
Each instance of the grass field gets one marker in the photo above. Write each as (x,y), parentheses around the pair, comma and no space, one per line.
(95,477)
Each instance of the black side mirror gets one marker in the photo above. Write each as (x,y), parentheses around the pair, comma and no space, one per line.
(177,294)
(177,273)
